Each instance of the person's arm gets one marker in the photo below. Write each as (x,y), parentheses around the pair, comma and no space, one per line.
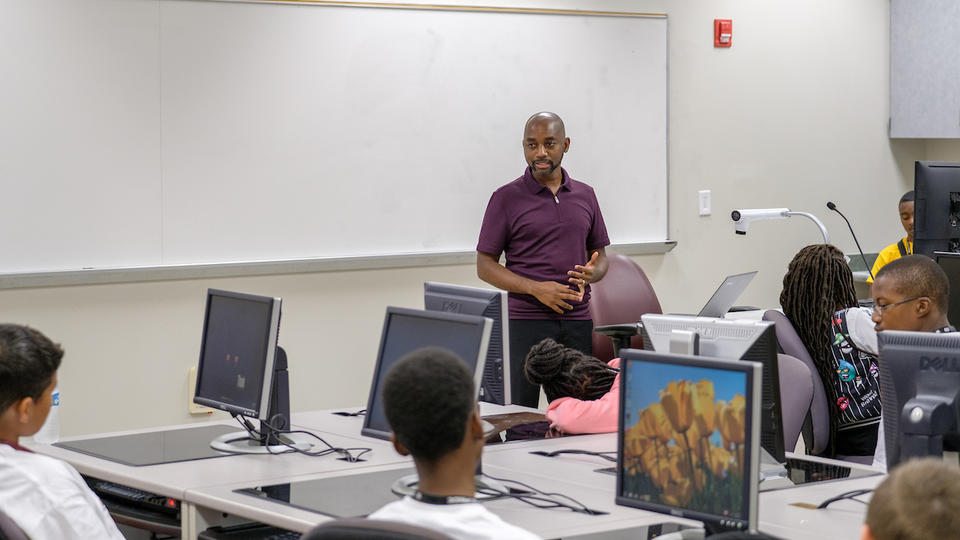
(571,415)
(550,293)
(860,326)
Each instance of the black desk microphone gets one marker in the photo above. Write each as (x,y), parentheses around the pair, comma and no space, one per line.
(833,207)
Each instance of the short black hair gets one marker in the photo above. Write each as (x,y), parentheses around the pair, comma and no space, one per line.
(428,396)
(918,275)
(907,197)
(28,360)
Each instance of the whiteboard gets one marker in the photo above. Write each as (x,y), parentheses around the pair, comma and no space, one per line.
(272,131)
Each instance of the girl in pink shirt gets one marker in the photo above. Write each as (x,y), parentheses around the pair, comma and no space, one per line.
(584,392)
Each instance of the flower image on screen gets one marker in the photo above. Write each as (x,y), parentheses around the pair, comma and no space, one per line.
(683,441)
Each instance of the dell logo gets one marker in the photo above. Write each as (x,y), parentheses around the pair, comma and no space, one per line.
(451,307)
(937,363)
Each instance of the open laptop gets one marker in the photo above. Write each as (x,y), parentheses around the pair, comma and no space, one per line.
(725,295)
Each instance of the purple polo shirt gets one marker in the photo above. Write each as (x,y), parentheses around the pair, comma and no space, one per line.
(544,237)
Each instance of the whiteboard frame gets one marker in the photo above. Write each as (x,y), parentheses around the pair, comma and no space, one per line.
(99,276)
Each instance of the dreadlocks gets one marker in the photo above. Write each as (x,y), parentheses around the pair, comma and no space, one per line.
(566,372)
(817,284)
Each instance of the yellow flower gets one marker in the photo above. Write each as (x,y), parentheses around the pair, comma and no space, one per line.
(656,424)
(719,461)
(703,407)
(678,493)
(733,420)
(677,401)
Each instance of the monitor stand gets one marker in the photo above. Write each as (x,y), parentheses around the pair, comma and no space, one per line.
(271,440)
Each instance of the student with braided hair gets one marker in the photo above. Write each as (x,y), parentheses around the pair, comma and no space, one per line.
(817,285)
(583,391)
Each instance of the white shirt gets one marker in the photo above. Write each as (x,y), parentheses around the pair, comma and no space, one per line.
(48,500)
(862,331)
(465,521)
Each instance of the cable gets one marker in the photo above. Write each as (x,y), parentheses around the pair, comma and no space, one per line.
(852,495)
(604,455)
(346,453)
(577,506)
(361,412)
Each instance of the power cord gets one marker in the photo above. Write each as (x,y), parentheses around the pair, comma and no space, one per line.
(348,454)
(852,495)
(534,497)
(605,455)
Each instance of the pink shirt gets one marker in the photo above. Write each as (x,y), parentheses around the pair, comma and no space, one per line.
(571,415)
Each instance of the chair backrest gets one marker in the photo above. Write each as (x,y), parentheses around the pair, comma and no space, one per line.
(9,530)
(372,529)
(818,436)
(622,296)
(796,396)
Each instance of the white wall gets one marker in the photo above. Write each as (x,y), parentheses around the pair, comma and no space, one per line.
(794,114)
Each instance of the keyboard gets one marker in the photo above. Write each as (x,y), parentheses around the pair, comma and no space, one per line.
(134,497)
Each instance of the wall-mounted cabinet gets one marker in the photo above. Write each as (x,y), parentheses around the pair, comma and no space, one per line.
(925,69)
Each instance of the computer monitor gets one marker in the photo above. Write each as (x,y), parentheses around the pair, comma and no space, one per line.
(936,218)
(688,440)
(406,330)
(755,341)
(242,370)
(495,386)
(950,264)
(919,391)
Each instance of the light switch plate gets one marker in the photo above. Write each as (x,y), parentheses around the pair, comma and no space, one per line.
(704,202)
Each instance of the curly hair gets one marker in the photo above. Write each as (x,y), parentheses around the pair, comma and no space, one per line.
(818,283)
(428,396)
(566,372)
(28,360)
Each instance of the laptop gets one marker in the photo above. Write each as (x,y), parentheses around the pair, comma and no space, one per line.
(724,297)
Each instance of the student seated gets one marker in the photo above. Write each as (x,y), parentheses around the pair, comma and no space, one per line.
(428,399)
(920,500)
(818,283)
(44,496)
(583,392)
(904,246)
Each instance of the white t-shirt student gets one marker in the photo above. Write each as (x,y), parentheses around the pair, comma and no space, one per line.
(463,521)
(48,499)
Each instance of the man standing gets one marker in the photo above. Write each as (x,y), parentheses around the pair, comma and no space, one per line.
(551,229)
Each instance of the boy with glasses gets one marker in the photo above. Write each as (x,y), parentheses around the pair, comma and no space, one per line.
(910,293)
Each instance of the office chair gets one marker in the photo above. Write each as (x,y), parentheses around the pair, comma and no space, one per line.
(9,530)
(616,304)
(816,429)
(370,529)
(796,396)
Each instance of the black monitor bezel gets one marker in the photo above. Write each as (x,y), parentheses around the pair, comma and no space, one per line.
(489,296)
(270,354)
(751,427)
(483,323)
(929,187)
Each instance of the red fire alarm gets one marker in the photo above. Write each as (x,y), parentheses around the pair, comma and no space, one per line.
(722,32)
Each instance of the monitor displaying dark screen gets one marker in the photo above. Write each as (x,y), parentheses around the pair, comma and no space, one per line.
(950,263)
(936,217)
(406,330)
(688,439)
(237,352)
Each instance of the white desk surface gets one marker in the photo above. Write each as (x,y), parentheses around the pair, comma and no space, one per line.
(207,485)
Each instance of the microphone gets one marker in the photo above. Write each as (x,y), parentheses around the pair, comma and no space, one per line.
(833,207)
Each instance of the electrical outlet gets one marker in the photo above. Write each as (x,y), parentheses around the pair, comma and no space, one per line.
(704,202)
(192,407)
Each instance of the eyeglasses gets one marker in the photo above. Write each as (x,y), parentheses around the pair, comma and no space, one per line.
(881,309)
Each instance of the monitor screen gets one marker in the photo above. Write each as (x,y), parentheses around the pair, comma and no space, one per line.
(495,386)
(950,264)
(237,352)
(936,217)
(919,391)
(406,330)
(754,341)
(689,437)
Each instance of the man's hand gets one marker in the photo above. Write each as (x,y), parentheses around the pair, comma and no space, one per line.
(582,275)
(555,295)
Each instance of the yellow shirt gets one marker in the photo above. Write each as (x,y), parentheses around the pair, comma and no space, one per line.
(889,253)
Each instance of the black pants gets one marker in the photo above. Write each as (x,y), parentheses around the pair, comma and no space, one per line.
(525,333)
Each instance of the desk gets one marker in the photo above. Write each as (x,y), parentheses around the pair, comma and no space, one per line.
(206,487)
